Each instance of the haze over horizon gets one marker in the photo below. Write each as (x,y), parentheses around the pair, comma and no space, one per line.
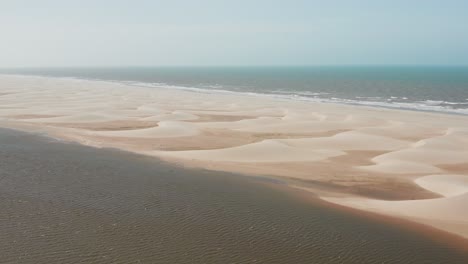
(54,33)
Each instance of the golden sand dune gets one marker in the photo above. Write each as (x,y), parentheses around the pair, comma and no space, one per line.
(407,164)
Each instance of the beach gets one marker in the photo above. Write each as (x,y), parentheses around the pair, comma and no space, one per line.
(405,164)
(67,203)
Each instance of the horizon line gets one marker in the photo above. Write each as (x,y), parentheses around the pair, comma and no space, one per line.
(232,66)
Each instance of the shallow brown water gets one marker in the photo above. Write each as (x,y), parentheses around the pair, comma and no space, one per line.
(64,203)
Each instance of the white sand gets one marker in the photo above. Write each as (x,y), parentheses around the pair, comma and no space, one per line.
(357,152)
(445,185)
(449,213)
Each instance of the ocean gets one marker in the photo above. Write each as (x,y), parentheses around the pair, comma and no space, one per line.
(423,88)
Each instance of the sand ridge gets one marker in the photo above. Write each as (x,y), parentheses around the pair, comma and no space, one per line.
(401,163)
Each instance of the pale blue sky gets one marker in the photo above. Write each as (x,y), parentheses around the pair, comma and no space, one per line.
(237,32)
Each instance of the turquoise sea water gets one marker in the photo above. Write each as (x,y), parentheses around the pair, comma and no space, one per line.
(428,88)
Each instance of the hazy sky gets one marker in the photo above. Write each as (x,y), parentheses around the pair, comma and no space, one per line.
(235,32)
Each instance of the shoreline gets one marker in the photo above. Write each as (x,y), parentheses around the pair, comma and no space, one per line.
(123,206)
(267,96)
(262,137)
(437,235)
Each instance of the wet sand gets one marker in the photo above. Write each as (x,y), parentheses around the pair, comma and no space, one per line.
(66,203)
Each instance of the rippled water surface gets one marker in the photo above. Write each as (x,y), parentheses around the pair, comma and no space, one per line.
(63,203)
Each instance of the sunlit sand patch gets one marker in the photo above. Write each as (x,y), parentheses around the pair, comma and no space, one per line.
(404,131)
(30,116)
(114,125)
(423,156)
(301,125)
(350,140)
(220,118)
(264,151)
(77,118)
(446,185)
(172,116)
(10,107)
(206,139)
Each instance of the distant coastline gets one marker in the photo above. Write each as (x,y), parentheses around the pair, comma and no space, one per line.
(421,88)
